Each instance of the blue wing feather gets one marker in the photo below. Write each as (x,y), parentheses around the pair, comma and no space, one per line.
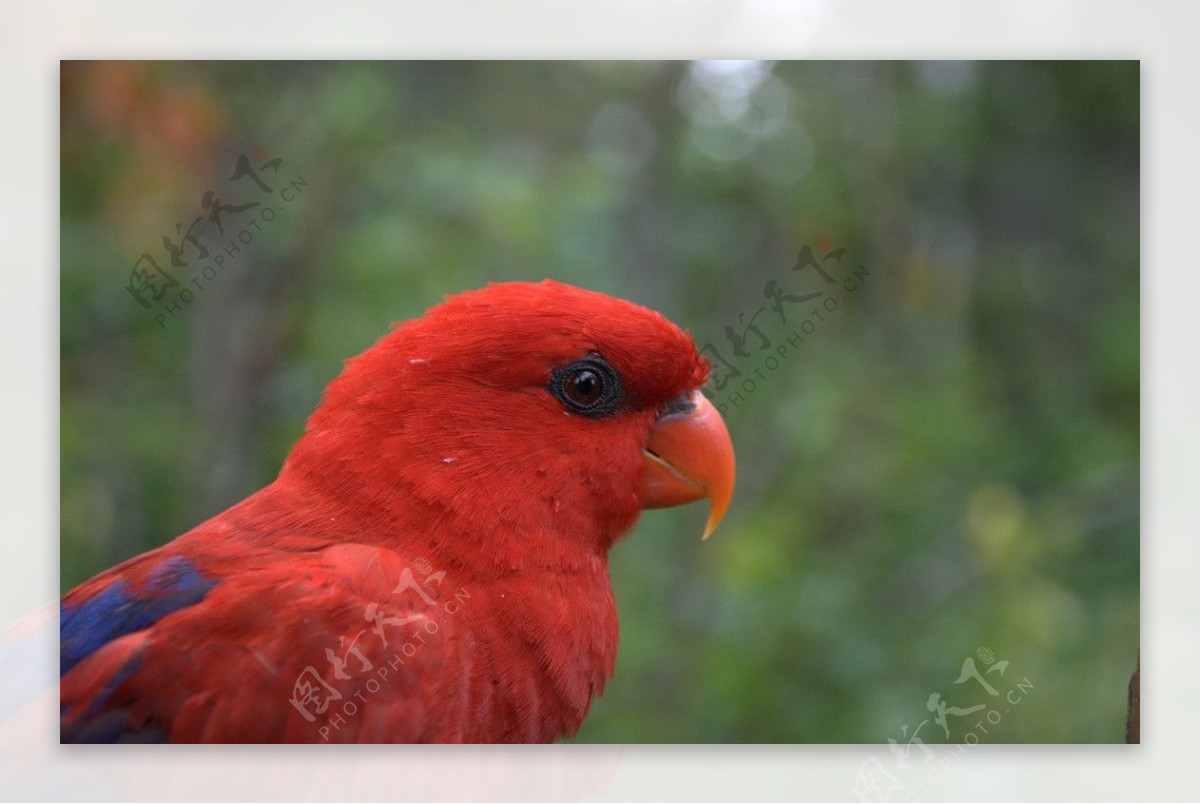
(118,610)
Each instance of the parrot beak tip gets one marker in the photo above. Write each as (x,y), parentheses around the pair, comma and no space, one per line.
(690,457)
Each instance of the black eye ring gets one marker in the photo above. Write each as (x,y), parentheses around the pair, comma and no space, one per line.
(589,386)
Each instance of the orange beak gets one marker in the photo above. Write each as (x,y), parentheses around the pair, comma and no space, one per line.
(689,457)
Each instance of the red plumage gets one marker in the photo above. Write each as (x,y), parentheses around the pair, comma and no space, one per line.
(431,563)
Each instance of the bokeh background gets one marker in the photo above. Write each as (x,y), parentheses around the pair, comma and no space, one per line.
(944,468)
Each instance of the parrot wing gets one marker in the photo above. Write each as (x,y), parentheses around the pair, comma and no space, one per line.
(346,643)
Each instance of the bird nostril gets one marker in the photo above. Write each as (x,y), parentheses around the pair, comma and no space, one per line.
(683,403)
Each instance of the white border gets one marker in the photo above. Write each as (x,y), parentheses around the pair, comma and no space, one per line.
(36,35)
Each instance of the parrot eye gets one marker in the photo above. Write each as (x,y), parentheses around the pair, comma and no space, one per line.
(583,387)
(588,386)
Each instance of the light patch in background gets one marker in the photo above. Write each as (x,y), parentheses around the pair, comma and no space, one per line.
(733,106)
(738,110)
(721,91)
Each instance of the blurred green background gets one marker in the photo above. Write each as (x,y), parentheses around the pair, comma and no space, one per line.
(947,462)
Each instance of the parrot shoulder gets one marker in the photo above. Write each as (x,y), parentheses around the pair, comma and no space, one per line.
(347,643)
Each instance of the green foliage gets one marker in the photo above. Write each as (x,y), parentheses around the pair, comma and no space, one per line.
(948,461)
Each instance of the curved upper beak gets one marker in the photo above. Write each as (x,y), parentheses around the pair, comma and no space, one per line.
(689,457)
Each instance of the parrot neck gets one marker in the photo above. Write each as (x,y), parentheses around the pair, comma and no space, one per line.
(448,512)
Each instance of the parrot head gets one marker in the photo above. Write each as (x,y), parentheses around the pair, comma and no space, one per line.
(532,415)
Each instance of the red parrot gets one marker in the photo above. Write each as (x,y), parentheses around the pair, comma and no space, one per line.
(431,564)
